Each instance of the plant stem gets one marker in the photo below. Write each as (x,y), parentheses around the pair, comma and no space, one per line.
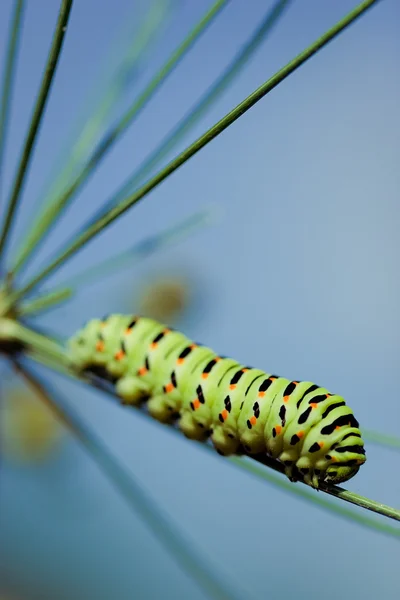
(191,150)
(300,491)
(182,549)
(338,492)
(46,219)
(110,266)
(388,441)
(140,42)
(45,302)
(211,95)
(13,331)
(9,75)
(26,156)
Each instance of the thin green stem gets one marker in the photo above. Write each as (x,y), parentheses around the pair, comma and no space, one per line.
(338,492)
(46,220)
(13,332)
(45,302)
(51,354)
(8,79)
(209,98)
(110,266)
(300,491)
(191,150)
(106,100)
(26,156)
(182,549)
(382,439)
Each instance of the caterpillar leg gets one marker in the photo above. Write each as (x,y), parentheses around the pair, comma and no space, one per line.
(193,428)
(161,408)
(131,389)
(225,443)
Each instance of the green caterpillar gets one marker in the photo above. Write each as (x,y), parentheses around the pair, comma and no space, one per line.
(311,431)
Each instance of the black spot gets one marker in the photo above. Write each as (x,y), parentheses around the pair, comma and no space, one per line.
(356,449)
(241,406)
(274,432)
(266,383)
(312,388)
(318,399)
(339,422)
(332,407)
(221,418)
(236,377)
(282,414)
(200,395)
(158,337)
(256,410)
(147,364)
(304,416)
(200,425)
(295,440)
(123,346)
(185,352)
(132,324)
(220,452)
(209,366)
(192,405)
(249,425)
(289,388)
(228,404)
(173,379)
(350,435)
(315,447)
(230,435)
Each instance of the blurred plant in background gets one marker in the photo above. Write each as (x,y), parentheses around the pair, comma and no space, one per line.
(29,432)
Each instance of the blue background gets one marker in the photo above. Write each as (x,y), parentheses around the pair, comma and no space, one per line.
(298,276)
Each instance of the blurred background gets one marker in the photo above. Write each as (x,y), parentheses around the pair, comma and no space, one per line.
(297,274)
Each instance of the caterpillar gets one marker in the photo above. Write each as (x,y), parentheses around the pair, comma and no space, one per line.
(312,432)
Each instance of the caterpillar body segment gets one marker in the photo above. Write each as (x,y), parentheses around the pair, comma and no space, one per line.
(311,431)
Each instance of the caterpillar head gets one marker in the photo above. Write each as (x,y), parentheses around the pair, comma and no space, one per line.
(347,457)
(337,473)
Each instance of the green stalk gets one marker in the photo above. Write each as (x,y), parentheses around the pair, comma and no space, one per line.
(388,441)
(338,492)
(46,220)
(26,156)
(45,302)
(191,150)
(211,95)
(88,132)
(8,79)
(182,549)
(110,266)
(300,491)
